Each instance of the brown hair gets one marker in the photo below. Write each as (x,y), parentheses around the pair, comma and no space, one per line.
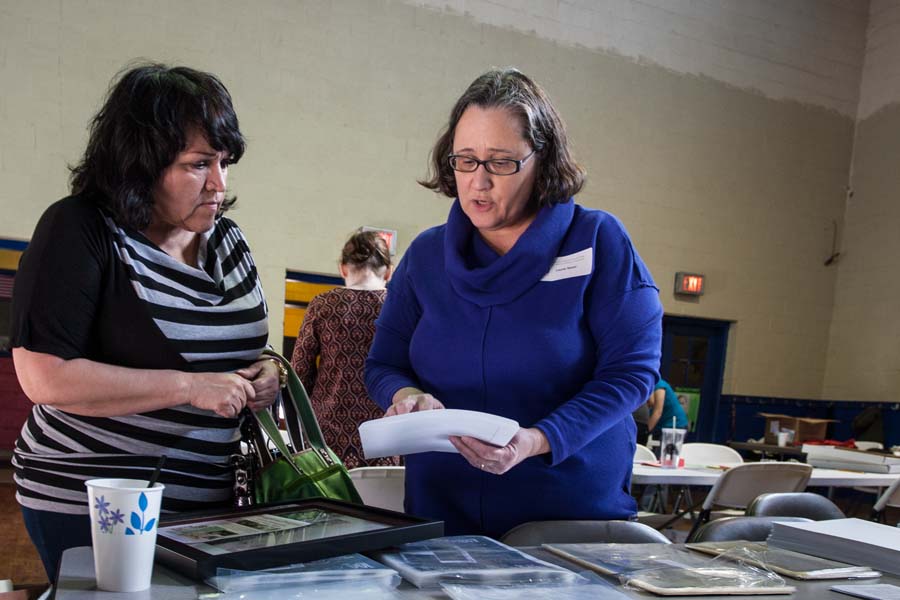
(559,177)
(143,125)
(366,249)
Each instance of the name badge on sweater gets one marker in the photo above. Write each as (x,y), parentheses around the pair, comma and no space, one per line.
(573,265)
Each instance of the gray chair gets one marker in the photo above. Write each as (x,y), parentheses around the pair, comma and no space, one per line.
(751,529)
(739,485)
(795,504)
(536,533)
(890,497)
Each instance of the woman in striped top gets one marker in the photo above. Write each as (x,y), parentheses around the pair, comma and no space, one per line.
(138,319)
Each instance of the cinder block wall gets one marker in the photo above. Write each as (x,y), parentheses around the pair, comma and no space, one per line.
(721,133)
(864,347)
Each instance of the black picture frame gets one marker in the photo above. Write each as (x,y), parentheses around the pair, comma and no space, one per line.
(377,528)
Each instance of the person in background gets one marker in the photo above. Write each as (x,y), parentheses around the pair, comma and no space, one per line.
(525,305)
(138,321)
(337,329)
(665,406)
(641,417)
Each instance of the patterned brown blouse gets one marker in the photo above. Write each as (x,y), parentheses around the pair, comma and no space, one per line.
(338,327)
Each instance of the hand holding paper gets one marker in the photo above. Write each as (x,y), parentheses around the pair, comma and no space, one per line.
(486,457)
(414,403)
(430,430)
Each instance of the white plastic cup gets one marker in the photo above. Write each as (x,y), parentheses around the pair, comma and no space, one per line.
(670,447)
(783,437)
(124,521)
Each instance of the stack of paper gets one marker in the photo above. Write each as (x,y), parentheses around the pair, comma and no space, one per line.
(430,431)
(851,459)
(852,541)
(785,562)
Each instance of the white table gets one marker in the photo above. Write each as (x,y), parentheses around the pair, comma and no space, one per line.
(705,476)
(76,582)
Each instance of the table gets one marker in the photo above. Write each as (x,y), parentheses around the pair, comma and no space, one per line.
(770,449)
(76,582)
(704,476)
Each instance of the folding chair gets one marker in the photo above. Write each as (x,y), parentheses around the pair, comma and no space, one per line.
(727,529)
(643,454)
(699,453)
(890,497)
(380,486)
(536,533)
(651,498)
(795,504)
(738,486)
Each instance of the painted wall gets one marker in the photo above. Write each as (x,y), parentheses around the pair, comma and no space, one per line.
(863,360)
(719,131)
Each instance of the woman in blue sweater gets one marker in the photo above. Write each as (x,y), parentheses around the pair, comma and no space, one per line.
(524,305)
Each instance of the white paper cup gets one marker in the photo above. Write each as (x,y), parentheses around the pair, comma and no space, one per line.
(671,442)
(124,520)
(783,438)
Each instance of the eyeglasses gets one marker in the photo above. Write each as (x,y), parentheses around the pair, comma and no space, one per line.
(495,166)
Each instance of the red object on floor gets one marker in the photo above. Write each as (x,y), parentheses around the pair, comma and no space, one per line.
(851,443)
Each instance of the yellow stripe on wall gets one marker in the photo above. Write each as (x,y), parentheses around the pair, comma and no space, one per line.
(301,292)
(9,259)
(293,318)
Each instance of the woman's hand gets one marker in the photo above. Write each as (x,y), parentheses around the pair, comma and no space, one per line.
(413,403)
(263,375)
(486,457)
(225,394)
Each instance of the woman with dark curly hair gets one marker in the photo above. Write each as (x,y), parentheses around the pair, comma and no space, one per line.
(138,320)
(333,342)
(526,305)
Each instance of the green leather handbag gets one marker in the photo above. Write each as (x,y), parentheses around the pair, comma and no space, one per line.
(313,472)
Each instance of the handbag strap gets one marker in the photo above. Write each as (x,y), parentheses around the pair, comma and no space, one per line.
(267,423)
(299,401)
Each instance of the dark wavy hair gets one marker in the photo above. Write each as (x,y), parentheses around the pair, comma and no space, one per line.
(559,177)
(366,249)
(144,123)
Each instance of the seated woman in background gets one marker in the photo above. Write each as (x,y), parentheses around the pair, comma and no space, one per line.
(337,329)
(138,320)
(525,305)
(664,408)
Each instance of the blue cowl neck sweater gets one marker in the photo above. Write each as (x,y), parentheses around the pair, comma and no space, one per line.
(571,351)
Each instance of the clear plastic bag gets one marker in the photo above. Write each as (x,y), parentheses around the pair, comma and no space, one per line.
(784,562)
(469,558)
(672,570)
(340,577)
(586,586)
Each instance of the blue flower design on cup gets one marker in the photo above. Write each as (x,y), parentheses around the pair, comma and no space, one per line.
(108,519)
(101,505)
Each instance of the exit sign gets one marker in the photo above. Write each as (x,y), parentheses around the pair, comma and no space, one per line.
(689,284)
(388,235)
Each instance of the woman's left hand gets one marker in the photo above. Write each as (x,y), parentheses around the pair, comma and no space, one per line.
(485,457)
(264,376)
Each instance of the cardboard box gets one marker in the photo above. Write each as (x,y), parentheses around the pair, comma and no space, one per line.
(804,428)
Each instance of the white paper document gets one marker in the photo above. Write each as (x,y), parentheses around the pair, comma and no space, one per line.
(430,430)
(877,591)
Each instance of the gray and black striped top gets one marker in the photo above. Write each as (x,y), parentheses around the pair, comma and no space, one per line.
(87,288)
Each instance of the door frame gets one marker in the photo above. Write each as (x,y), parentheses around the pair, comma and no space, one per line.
(707,428)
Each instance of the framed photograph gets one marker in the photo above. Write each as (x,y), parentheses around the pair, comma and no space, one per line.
(280,534)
